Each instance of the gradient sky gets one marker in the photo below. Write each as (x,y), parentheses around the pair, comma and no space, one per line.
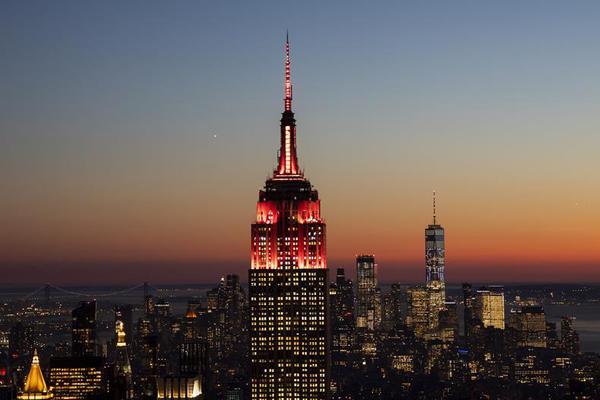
(110,169)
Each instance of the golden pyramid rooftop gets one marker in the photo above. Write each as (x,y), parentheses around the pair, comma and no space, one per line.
(35,385)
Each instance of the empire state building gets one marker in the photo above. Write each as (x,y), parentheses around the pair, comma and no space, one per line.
(289,347)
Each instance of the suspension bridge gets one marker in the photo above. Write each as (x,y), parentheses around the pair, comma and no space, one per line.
(49,290)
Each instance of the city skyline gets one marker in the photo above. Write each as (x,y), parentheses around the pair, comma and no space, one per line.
(132,223)
(114,160)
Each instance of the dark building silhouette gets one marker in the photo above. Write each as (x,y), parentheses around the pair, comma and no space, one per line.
(341,300)
(569,338)
(83,329)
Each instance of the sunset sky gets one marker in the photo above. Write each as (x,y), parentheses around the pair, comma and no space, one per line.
(134,136)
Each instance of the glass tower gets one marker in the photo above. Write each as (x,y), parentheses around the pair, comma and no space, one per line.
(435,261)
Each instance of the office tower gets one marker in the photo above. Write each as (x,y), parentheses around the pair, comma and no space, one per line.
(341,302)
(121,380)
(391,308)
(418,315)
(569,338)
(448,323)
(193,358)
(468,302)
(529,323)
(84,329)
(35,385)
(368,306)
(76,378)
(489,306)
(435,256)
(289,343)
(232,306)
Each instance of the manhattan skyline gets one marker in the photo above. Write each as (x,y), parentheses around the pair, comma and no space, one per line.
(112,159)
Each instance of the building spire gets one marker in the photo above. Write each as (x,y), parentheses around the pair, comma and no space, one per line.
(288,76)
(287,167)
(434,215)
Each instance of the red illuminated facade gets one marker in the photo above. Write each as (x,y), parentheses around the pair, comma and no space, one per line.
(289,231)
(288,283)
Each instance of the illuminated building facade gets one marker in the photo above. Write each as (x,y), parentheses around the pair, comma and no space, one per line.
(288,283)
(76,378)
(489,307)
(179,387)
(122,378)
(418,315)
(435,261)
(35,386)
(84,329)
(368,303)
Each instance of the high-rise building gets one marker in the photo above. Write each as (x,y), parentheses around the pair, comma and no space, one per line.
(193,358)
(448,322)
(418,315)
(76,378)
(368,306)
(229,317)
(529,324)
(83,329)
(35,385)
(121,379)
(391,308)
(341,296)
(569,338)
(489,306)
(435,261)
(288,283)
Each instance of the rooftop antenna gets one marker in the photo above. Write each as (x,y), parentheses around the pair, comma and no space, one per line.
(434,207)
(288,75)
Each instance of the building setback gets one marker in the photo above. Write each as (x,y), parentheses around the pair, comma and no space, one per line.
(288,283)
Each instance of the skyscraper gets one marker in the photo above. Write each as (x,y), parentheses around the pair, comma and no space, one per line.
(489,306)
(529,323)
(121,380)
(368,311)
(288,283)
(341,296)
(569,338)
(435,261)
(83,329)
(418,315)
